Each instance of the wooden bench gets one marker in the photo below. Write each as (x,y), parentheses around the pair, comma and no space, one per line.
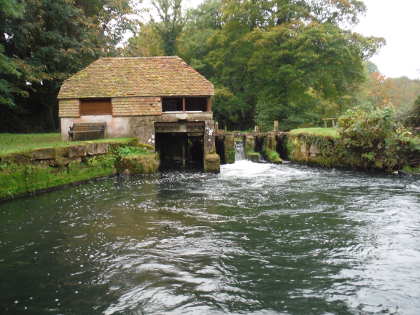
(87,131)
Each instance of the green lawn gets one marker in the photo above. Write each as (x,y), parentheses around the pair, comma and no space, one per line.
(16,143)
(324,132)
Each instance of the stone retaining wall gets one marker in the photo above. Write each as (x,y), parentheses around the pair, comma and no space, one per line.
(45,168)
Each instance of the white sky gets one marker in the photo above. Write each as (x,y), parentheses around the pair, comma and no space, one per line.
(399,23)
(396,21)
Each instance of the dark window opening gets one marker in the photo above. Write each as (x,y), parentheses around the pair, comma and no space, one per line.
(180,151)
(196,104)
(96,107)
(172,104)
(189,104)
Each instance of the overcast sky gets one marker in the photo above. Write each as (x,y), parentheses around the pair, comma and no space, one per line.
(399,23)
(396,21)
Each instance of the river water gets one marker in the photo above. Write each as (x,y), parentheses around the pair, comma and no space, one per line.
(255,239)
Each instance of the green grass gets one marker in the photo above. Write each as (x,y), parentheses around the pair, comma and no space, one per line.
(134,151)
(19,143)
(323,132)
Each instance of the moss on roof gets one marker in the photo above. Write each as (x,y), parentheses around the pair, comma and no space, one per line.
(136,76)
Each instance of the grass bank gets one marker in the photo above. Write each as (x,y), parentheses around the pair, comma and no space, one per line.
(21,143)
(32,163)
(321,132)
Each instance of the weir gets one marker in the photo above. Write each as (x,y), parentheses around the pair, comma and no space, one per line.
(235,146)
(239,150)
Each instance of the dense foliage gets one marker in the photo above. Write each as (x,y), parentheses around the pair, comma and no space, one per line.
(285,60)
(42,42)
(413,115)
(368,138)
(374,136)
(271,60)
(398,93)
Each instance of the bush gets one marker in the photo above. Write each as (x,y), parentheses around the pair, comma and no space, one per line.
(373,135)
(413,116)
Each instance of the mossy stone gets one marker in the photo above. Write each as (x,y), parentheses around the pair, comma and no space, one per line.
(272,156)
(212,163)
(229,144)
(138,164)
(253,156)
(230,156)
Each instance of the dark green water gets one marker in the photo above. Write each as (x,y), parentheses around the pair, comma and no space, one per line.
(256,239)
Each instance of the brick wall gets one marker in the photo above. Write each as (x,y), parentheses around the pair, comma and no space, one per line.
(68,108)
(136,106)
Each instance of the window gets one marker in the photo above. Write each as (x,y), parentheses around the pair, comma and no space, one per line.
(181,104)
(96,107)
(172,104)
(196,104)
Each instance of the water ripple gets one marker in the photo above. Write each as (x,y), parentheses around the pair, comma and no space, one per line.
(255,239)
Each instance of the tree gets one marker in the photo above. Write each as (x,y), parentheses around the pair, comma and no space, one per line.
(146,43)
(201,24)
(381,91)
(9,9)
(413,118)
(48,42)
(111,19)
(283,58)
(170,25)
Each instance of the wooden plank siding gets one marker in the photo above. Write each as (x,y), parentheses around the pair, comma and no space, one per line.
(96,107)
(136,106)
(69,108)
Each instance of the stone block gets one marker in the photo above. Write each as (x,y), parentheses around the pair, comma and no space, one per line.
(97,148)
(138,164)
(314,150)
(229,146)
(77,151)
(212,163)
(303,149)
(253,156)
(43,154)
(249,143)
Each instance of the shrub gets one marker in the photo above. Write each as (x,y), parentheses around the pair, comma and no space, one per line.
(373,135)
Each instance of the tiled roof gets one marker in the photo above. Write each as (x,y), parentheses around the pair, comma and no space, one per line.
(136,76)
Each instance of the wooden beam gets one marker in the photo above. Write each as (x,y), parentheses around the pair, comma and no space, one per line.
(209,103)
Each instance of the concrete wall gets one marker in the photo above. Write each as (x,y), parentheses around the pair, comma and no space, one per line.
(143,127)
(116,127)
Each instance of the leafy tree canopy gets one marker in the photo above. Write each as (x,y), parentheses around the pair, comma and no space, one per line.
(281,59)
(42,42)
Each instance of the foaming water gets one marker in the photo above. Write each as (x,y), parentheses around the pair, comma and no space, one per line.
(255,239)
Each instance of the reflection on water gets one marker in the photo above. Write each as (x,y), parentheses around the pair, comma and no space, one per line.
(255,239)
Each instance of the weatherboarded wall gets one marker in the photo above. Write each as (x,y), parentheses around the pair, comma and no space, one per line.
(121,106)
(69,108)
(136,106)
